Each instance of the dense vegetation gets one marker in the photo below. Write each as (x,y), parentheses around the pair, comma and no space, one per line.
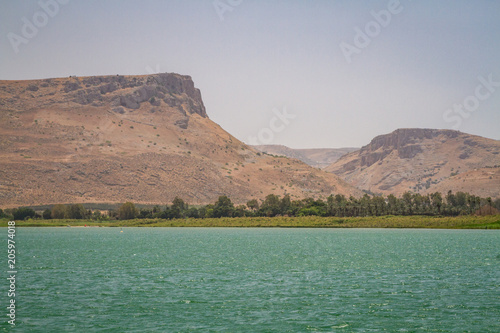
(388,221)
(334,206)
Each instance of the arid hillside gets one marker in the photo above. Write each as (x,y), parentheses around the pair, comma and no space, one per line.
(423,161)
(146,139)
(316,157)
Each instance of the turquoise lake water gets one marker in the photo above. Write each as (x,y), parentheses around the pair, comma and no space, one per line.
(256,280)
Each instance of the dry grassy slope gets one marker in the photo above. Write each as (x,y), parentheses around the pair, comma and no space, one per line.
(423,160)
(317,157)
(485,181)
(141,138)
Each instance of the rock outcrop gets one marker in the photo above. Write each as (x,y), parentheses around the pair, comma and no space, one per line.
(171,89)
(421,160)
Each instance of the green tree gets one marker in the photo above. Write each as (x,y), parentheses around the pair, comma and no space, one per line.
(330,206)
(193,213)
(437,201)
(96,215)
(202,212)
(379,205)
(497,203)
(353,206)
(240,211)
(59,211)
(47,214)
(392,204)
(285,205)
(418,202)
(253,204)
(451,199)
(76,211)
(206,211)
(313,210)
(113,214)
(407,203)
(127,211)
(223,207)
(158,213)
(341,203)
(461,199)
(178,208)
(270,206)
(23,213)
(490,205)
(365,205)
(145,213)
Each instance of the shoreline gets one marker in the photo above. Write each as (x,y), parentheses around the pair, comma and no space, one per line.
(394,222)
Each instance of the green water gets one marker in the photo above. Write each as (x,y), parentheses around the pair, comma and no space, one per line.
(256,280)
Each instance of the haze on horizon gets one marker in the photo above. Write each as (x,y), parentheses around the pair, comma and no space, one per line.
(346,70)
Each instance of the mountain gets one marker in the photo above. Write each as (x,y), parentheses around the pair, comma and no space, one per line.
(317,157)
(145,139)
(424,160)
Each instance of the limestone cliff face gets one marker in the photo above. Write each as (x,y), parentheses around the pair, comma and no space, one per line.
(131,92)
(405,141)
(417,160)
(407,136)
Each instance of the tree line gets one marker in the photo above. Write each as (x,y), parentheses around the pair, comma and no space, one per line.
(434,204)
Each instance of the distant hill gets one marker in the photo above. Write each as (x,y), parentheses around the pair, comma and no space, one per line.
(146,139)
(424,160)
(317,157)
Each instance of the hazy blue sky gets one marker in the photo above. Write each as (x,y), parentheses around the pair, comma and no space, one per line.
(252,57)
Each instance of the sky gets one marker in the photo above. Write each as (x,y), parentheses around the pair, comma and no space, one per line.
(306,74)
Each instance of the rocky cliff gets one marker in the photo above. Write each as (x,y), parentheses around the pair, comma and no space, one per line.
(423,160)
